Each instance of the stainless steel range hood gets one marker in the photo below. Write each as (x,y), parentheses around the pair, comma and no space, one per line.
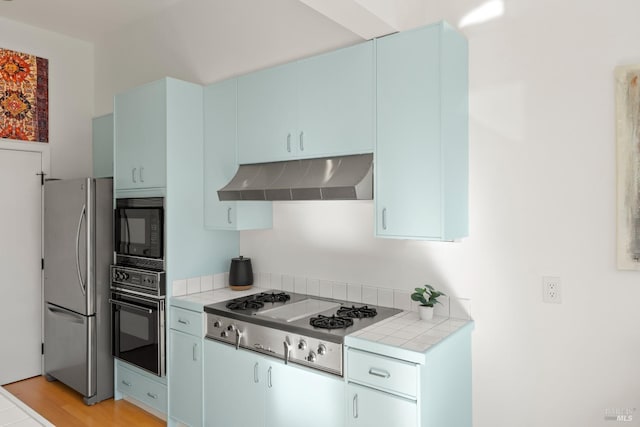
(330,178)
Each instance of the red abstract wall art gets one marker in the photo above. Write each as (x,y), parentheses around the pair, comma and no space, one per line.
(24,96)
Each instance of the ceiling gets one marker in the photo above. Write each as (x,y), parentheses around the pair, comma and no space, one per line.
(89,20)
(82,19)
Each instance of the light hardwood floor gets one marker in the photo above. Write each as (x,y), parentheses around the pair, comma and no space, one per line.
(64,407)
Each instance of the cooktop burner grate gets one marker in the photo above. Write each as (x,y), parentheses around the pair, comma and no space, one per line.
(273,297)
(356,312)
(246,303)
(333,322)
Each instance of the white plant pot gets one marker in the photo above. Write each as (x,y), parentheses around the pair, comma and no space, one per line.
(426,313)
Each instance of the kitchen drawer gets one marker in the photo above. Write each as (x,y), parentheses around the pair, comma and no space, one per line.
(143,389)
(383,373)
(187,321)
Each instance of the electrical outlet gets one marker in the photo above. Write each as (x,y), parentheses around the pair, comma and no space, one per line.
(551,290)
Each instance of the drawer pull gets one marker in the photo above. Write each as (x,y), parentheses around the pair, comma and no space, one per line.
(195,352)
(379,373)
(289,143)
(152,395)
(133,175)
(269,383)
(255,373)
(184,322)
(384,218)
(355,405)
(127,383)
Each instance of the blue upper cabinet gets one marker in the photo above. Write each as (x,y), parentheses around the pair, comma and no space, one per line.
(319,106)
(140,117)
(335,102)
(102,139)
(220,164)
(267,114)
(421,156)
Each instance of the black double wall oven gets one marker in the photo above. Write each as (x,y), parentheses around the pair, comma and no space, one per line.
(138,284)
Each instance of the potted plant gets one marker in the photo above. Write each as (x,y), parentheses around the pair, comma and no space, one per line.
(427,296)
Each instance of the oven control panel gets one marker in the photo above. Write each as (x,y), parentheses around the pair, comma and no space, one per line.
(149,282)
(291,347)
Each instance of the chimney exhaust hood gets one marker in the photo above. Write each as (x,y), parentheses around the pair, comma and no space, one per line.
(330,178)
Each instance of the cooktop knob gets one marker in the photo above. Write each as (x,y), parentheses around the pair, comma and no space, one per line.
(231,328)
(322,350)
(217,324)
(302,344)
(224,334)
(311,357)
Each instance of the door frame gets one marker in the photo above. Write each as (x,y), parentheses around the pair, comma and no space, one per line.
(45,167)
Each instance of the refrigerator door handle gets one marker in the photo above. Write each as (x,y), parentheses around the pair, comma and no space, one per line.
(70,315)
(82,215)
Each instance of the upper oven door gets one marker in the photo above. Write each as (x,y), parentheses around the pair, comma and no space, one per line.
(138,331)
(139,228)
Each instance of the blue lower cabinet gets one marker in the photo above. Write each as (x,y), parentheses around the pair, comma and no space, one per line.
(185,373)
(245,389)
(132,382)
(368,407)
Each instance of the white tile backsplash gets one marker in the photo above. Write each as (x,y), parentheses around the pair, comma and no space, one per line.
(276,281)
(193,285)
(401,299)
(206,283)
(300,285)
(220,280)
(326,289)
(354,292)
(369,295)
(458,308)
(385,297)
(313,287)
(339,290)
(179,287)
(288,284)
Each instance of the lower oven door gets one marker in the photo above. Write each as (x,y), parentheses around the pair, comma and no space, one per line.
(138,331)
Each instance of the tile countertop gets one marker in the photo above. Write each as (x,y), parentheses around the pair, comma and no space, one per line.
(403,336)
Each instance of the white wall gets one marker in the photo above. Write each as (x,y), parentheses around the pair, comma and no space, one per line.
(542,192)
(71,100)
(542,202)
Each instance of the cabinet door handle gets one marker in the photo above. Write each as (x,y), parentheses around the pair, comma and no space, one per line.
(384,218)
(152,395)
(229,215)
(355,405)
(133,174)
(301,141)
(379,373)
(127,383)
(255,373)
(195,352)
(141,174)
(288,143)
(184,322)
(269,383)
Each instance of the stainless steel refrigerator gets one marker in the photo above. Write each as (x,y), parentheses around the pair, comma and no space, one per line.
(78,249)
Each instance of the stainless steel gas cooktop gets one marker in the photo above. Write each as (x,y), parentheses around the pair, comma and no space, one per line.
(302,329)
